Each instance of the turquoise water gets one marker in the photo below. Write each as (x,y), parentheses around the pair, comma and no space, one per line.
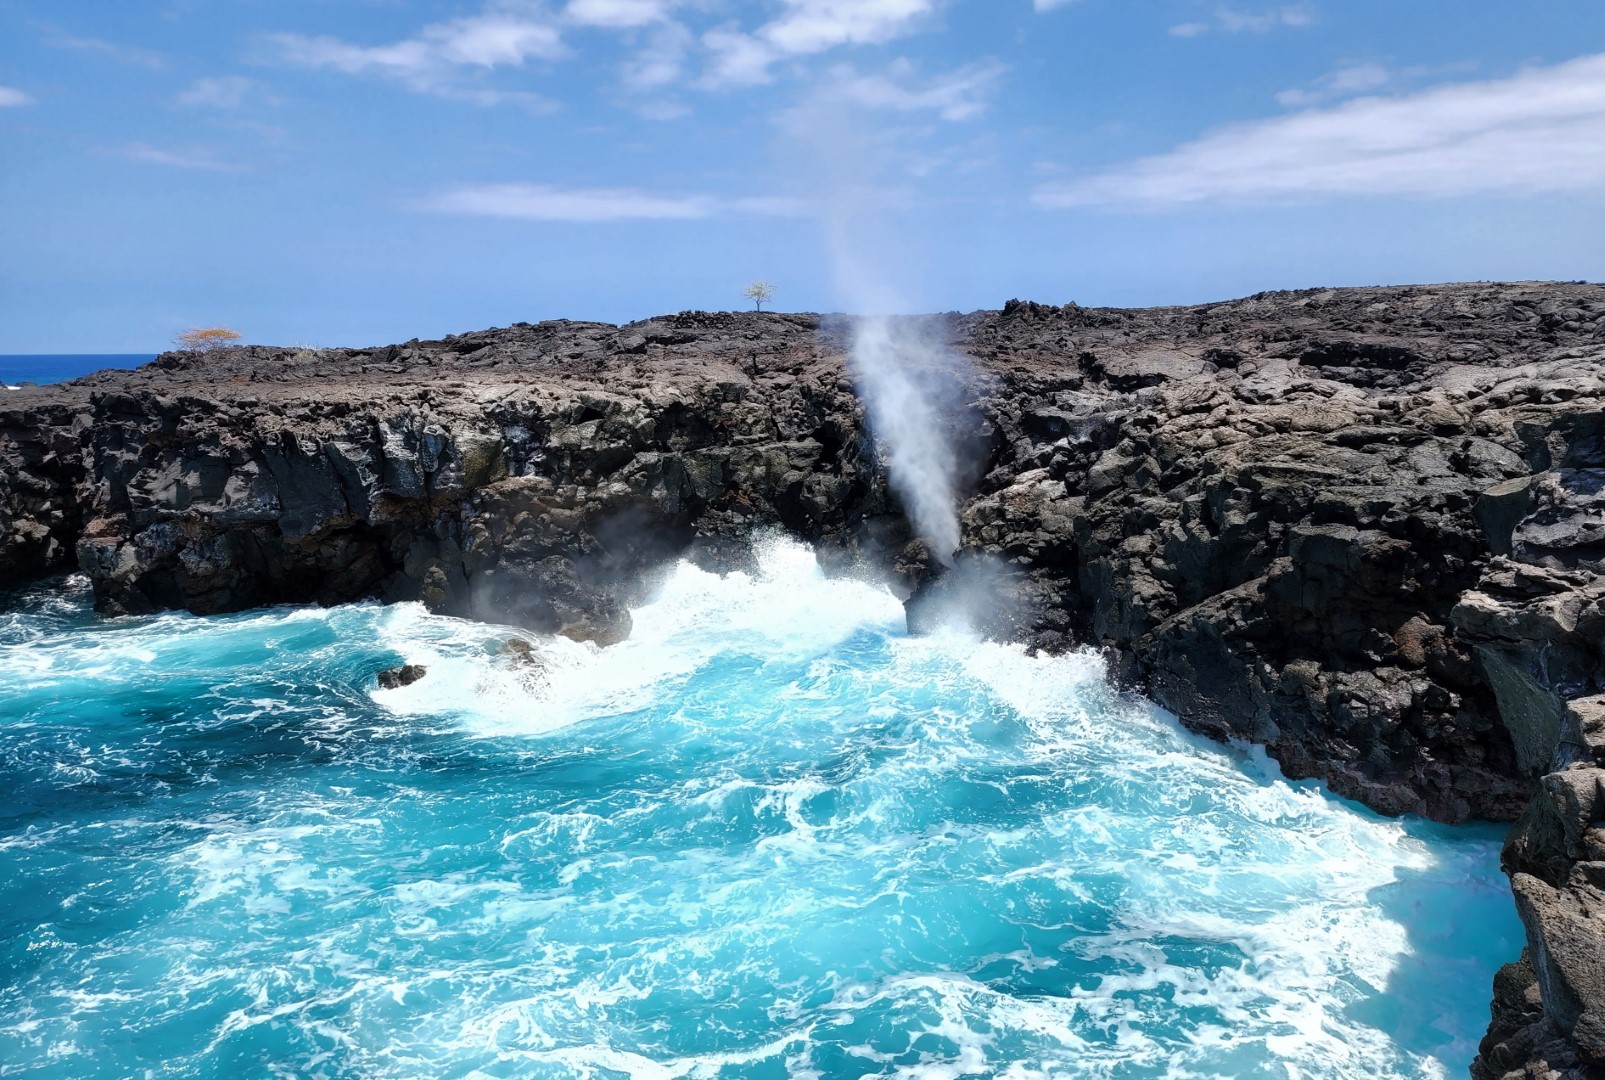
(768,836)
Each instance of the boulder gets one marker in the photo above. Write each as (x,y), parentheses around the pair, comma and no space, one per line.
(402,675)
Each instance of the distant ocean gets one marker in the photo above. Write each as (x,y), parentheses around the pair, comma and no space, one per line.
(59,367)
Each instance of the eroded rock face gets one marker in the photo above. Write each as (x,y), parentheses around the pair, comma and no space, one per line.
(1311,540)
(1362,527)
(1549,1006)
(535,475)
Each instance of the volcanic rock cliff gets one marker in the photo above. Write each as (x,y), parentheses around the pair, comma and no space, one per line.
(1362,527)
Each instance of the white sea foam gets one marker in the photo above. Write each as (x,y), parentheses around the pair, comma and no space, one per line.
(787,609)
(1191,879)
(769,834)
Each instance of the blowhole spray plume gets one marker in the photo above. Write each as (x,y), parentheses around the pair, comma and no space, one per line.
(910,382)
(895,376)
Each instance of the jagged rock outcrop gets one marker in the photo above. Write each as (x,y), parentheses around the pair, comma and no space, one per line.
(1363,527)
(1549,1006)
(533,475)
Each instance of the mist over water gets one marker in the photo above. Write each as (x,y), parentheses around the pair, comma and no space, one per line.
(770,835)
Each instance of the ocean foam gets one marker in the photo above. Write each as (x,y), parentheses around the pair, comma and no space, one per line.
(769,835)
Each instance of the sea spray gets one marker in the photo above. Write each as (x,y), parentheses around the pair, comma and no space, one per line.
(910,380)
(902,378)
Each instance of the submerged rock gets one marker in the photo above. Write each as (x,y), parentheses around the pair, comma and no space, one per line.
(528,666)
(518,650)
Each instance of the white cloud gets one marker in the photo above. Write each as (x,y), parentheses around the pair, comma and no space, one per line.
(617,14)
(738,59)
(524,99)
(661,62)
(543,202)
(1259,22)
(1234,21)
(440,58)
(804,28)
(227,92)
(1352,79)
(1540,131)
(500,36)
(540,202)
(126,54)
(1049,5)
(811,26)
(188,158)
(957,95)
(1344,82)
(10,97)
(493,39)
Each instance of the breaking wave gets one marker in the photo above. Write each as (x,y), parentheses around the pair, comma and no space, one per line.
(769,835)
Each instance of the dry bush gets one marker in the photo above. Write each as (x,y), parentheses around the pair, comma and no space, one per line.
(206,338)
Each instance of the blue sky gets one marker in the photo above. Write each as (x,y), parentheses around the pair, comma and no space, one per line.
(353,172)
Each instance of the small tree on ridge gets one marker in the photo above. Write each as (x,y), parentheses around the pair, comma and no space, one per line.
(206,338)
(759,292)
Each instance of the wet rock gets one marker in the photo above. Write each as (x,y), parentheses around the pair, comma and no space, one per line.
(404,675)
(518,650)
(528,666)
(1523,1043)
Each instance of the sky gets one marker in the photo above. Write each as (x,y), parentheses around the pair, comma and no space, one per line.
(358,172)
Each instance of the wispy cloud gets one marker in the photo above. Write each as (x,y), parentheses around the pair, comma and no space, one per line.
(1050,5)
(11,98)
(523,99)
(452,58)
(1349,80)
(1345,81)
(811,26)
(957,95)
(739,59)
(504,35)
(1540,131)
(539,202)
(617,14)
(808,27)
(177,158)
(224,92)
(661,62)
(1236,21)
(542,202)
(125,54)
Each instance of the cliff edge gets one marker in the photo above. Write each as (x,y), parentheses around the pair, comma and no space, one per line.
(1362,527)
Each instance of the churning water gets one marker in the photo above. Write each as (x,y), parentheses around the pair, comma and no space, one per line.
(770,835)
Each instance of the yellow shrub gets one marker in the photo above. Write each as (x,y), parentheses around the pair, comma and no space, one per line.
(205,339)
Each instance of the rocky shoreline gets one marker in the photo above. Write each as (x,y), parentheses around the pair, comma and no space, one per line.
(1364,528)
